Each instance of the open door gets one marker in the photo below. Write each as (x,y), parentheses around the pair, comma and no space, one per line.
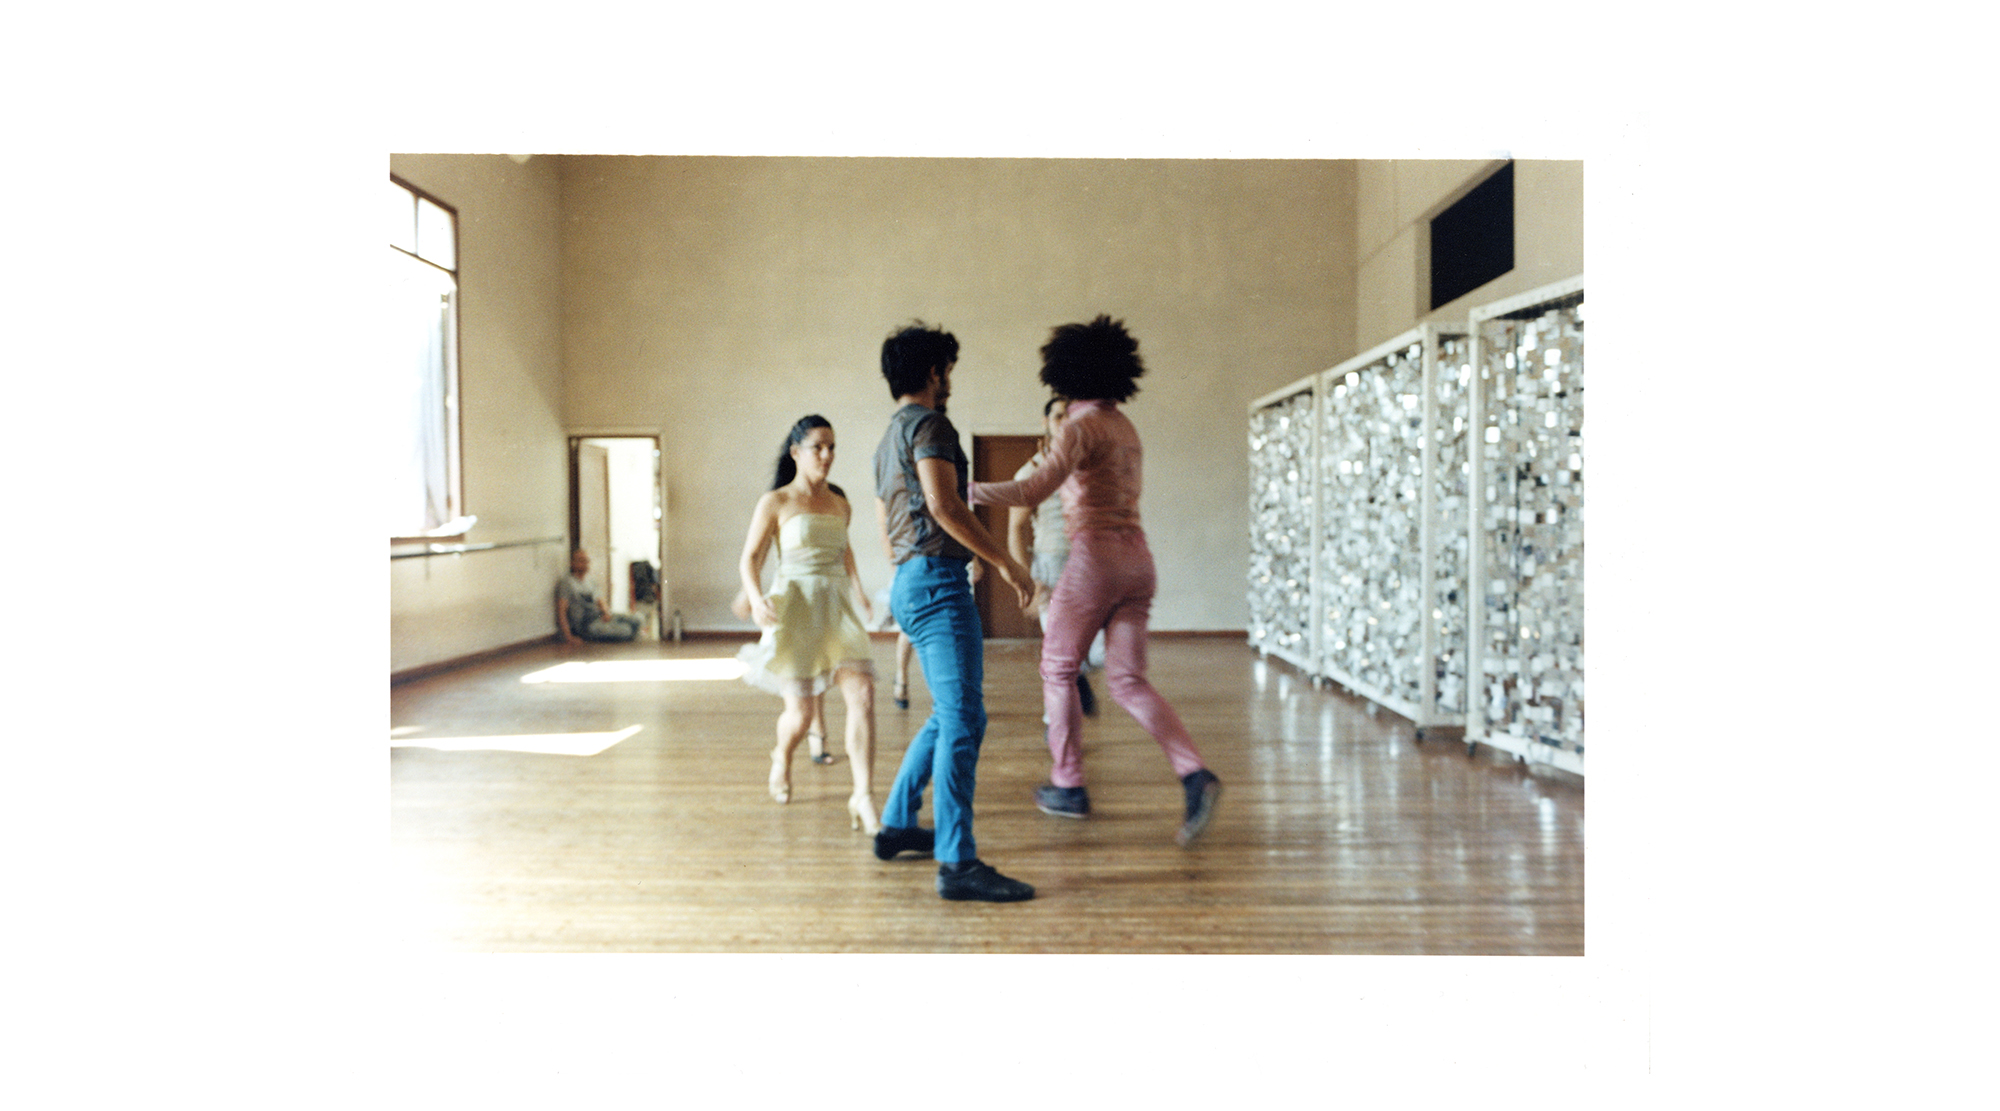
(615,514)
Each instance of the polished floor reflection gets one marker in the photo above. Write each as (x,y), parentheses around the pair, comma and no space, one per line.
(618,804)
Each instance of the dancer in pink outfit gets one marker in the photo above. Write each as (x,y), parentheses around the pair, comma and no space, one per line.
(1108,582)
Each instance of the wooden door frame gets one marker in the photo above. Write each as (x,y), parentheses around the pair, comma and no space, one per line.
(659,493)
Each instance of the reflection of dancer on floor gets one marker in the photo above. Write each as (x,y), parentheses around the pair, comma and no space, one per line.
(1035,536)
(1109,580)
(813,636)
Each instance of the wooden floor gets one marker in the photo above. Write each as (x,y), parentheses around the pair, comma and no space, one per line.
(1336,833)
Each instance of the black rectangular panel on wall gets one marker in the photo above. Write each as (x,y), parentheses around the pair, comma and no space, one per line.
(1472,242)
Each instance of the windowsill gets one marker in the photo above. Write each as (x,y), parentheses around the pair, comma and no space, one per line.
(451,532)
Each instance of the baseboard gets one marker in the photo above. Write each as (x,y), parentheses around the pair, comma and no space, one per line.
(425,671)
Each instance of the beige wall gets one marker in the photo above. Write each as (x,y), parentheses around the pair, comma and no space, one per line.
(718,299)
(1395,202)
(516,472)
(722,298)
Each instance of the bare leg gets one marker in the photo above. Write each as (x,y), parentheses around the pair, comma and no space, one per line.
(791,730)
(857,688)
(816,729)
(904,650)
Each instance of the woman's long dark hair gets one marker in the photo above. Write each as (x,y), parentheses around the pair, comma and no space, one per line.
(788,468)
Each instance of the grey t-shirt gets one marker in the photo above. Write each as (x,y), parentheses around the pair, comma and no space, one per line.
(580,600)
(917,433)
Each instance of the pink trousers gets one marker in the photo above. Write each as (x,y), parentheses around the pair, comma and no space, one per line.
(1107,584)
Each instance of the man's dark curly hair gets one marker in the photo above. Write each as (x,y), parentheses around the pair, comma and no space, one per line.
(1094,361)
(909,356)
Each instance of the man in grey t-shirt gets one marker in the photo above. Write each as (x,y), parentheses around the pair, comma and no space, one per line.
(932,537)
(578,616)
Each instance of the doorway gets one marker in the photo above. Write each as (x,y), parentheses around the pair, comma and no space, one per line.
(616,515)
(995,459)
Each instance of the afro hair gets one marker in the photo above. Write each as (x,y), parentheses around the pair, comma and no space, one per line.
(1094,361)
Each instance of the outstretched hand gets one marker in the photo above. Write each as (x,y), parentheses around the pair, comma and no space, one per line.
(1017,577)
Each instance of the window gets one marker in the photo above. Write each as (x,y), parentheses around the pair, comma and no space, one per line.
(425,496)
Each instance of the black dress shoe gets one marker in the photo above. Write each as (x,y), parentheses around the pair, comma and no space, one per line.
(915,839)
(975,880)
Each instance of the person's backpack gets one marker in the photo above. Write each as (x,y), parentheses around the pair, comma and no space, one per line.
(645,583)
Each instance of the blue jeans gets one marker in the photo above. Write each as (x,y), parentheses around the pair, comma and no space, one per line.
(932,601)
(610,626)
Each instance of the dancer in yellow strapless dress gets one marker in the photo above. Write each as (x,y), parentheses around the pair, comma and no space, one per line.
(814,633)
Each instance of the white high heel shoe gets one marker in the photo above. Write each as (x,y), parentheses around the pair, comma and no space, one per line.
(861,815)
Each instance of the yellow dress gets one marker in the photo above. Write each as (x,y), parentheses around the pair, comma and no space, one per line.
(818,632)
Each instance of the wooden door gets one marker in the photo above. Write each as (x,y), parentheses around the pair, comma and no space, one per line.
(995,459)
(593,519)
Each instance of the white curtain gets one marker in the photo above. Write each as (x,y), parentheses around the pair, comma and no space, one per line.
(420,474)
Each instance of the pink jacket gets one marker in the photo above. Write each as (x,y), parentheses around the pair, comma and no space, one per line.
(1096,460)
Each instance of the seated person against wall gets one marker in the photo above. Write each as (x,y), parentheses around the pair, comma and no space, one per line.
(578,615)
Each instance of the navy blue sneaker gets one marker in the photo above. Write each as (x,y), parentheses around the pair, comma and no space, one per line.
(1063,802)
(976,881)
(1202,790)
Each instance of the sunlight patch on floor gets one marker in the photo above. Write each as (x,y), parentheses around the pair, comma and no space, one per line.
(637,671)
(547,744)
